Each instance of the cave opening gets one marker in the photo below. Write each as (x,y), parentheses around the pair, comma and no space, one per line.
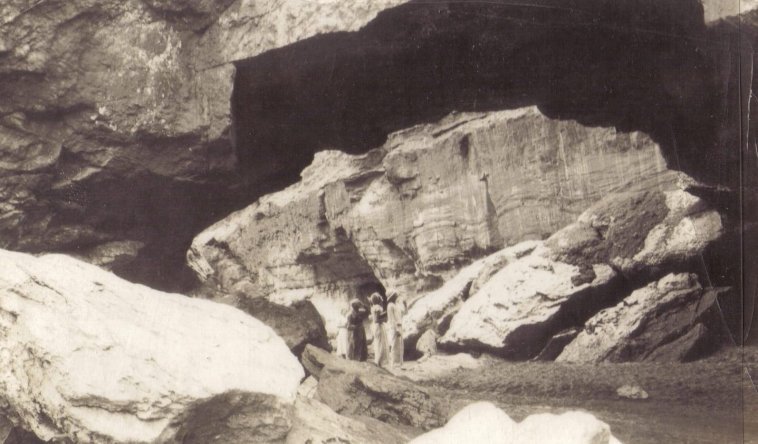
(650,66)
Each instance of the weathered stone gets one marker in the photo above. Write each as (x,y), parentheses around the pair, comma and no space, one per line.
(298,324)
(523,305)
(645,231)
(314,422)
(478,422)
(414,212)
(427,343)
(234,417)
(434,310)
(484,422)
(89,356)
(359,388)
(640,326)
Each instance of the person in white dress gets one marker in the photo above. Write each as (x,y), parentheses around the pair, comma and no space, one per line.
(395,311)
(378,325)
(342,333)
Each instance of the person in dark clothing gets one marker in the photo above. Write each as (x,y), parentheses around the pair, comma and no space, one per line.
(357,349)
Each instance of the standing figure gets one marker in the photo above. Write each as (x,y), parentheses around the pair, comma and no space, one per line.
(357,350)
(378,322)
(342,340)
(395,311)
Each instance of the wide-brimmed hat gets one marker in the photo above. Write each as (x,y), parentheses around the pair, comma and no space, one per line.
(375,298)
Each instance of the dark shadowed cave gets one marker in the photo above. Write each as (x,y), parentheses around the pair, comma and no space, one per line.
(645,65)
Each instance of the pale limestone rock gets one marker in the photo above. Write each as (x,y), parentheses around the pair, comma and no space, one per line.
(428,310)
(315,422)
(483,422)
(87,355)
(644,322)
(517,311)
(480,422)
(567,428)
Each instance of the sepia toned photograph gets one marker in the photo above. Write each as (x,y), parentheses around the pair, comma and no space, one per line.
(378,221)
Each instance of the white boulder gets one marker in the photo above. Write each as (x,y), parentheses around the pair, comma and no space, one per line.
(89,356)
(484,423)
(519,309)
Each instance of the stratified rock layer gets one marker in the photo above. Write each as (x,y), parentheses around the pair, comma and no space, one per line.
(87,355)
(415,211)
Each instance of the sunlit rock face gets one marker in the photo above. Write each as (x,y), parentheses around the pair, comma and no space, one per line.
(414,211)
(91,357)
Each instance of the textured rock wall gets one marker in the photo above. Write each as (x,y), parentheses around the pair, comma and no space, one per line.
(411,213)
(115,118)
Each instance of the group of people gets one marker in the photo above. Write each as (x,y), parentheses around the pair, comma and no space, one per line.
(386,328)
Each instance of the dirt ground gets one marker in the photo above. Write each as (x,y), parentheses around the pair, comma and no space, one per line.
(709,401)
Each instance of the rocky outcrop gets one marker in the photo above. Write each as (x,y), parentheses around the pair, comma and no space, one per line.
(434,310)
(315,422)
(483,422)
(89,356)
(663,321)
(626,239)
(359,388)
(643,232)
(523,305)
(413,212)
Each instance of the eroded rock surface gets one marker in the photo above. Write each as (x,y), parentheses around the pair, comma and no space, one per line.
(626,239)
(524,304)
(315,422)
(653,323)
(413,212)
(89,356)
(359,388)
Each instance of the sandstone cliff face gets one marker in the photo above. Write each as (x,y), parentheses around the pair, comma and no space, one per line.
(413,212)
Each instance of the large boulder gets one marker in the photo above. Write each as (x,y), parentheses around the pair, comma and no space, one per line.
(631,236)
(412,213)
(89,356)
(483,422)
(435,309)
(663,321)
(298,324)
(528,301)
(644,231)
(315,422)
(363,389)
